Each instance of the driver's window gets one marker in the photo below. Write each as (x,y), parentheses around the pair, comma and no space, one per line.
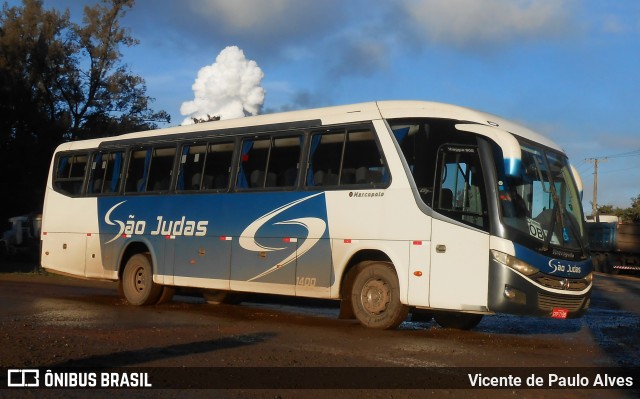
(459,190)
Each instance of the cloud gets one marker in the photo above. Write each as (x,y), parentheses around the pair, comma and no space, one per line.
(229,88)
(467,24)
(264,27)
(612,24)
(359,57)
(248,15)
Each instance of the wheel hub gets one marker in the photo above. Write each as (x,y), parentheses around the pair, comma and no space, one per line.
(140,282)
(375,297)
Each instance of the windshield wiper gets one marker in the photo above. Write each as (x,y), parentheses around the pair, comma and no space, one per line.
(556,200)
(577,235)
(555,215)
(547,238)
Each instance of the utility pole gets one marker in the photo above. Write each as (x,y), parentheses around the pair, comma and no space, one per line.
(594,209)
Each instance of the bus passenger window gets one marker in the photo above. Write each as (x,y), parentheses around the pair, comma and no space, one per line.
(362,161)
(139,161)
(96,180)
(191,165)
(161,169)
(269,162)
(284,161)
(205,166)
(217,166)
(106,169)
(324,159)
(253,163)
(70,172)
(345,158)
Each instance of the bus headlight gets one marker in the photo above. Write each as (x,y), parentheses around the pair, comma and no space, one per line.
(589,278)
(514,263)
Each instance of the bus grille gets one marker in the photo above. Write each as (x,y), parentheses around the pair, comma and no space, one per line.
(560,284)
(548,302)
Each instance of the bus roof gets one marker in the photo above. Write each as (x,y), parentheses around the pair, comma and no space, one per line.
(340,114)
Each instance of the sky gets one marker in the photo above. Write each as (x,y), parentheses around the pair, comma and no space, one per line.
(568,69)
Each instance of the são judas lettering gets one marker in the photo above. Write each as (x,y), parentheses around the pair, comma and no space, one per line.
(180,227)
(166,227)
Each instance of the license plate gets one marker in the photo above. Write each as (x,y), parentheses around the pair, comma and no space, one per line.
(560,313)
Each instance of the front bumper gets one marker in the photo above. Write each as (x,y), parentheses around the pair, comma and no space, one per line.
(513,293)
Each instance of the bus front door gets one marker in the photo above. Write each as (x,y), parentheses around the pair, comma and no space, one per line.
(459,231)
(459,267)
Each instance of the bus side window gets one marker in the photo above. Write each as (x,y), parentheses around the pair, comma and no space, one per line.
(253,163)
(161,169)
(269,162)
(106,170)
(191,164)
(460,186)
(345,158)
(217,167)
(70,172)
(139,161)
(362,161)
(324,159)
(418,151)
(96,178)
(284,161)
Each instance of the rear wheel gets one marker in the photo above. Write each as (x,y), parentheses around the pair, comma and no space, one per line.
(166,295)
(609,264)
(137,281)
(458,321)
(597,263)
(375,296)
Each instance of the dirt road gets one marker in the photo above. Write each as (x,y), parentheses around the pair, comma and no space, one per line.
(51,322)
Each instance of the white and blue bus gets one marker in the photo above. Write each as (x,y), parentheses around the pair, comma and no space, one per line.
(389,207)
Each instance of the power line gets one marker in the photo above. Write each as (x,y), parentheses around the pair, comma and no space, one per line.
(618,170)
(627,154)
(596,161)
(584,169)
(579,164)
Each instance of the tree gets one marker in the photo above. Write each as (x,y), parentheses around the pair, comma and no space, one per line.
(610,210)
(209,118)
(61,81)
(629,215)
(105,98)
(632,214)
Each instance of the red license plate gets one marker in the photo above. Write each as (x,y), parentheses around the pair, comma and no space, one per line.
(560,313)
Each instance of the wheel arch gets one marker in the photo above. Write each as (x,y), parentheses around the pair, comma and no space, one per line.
(133,248)
(363,255)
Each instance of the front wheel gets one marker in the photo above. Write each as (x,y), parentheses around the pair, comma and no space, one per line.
(458,321)
(375,296)
(137,282)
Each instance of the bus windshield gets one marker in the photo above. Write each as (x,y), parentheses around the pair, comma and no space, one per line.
(541,200)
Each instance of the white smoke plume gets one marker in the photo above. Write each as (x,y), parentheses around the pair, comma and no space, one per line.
(229,88)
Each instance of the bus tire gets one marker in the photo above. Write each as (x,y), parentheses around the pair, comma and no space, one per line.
(597,263)
(166,295)
(137,282)
(609,265)
(456,320)
(375,296)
